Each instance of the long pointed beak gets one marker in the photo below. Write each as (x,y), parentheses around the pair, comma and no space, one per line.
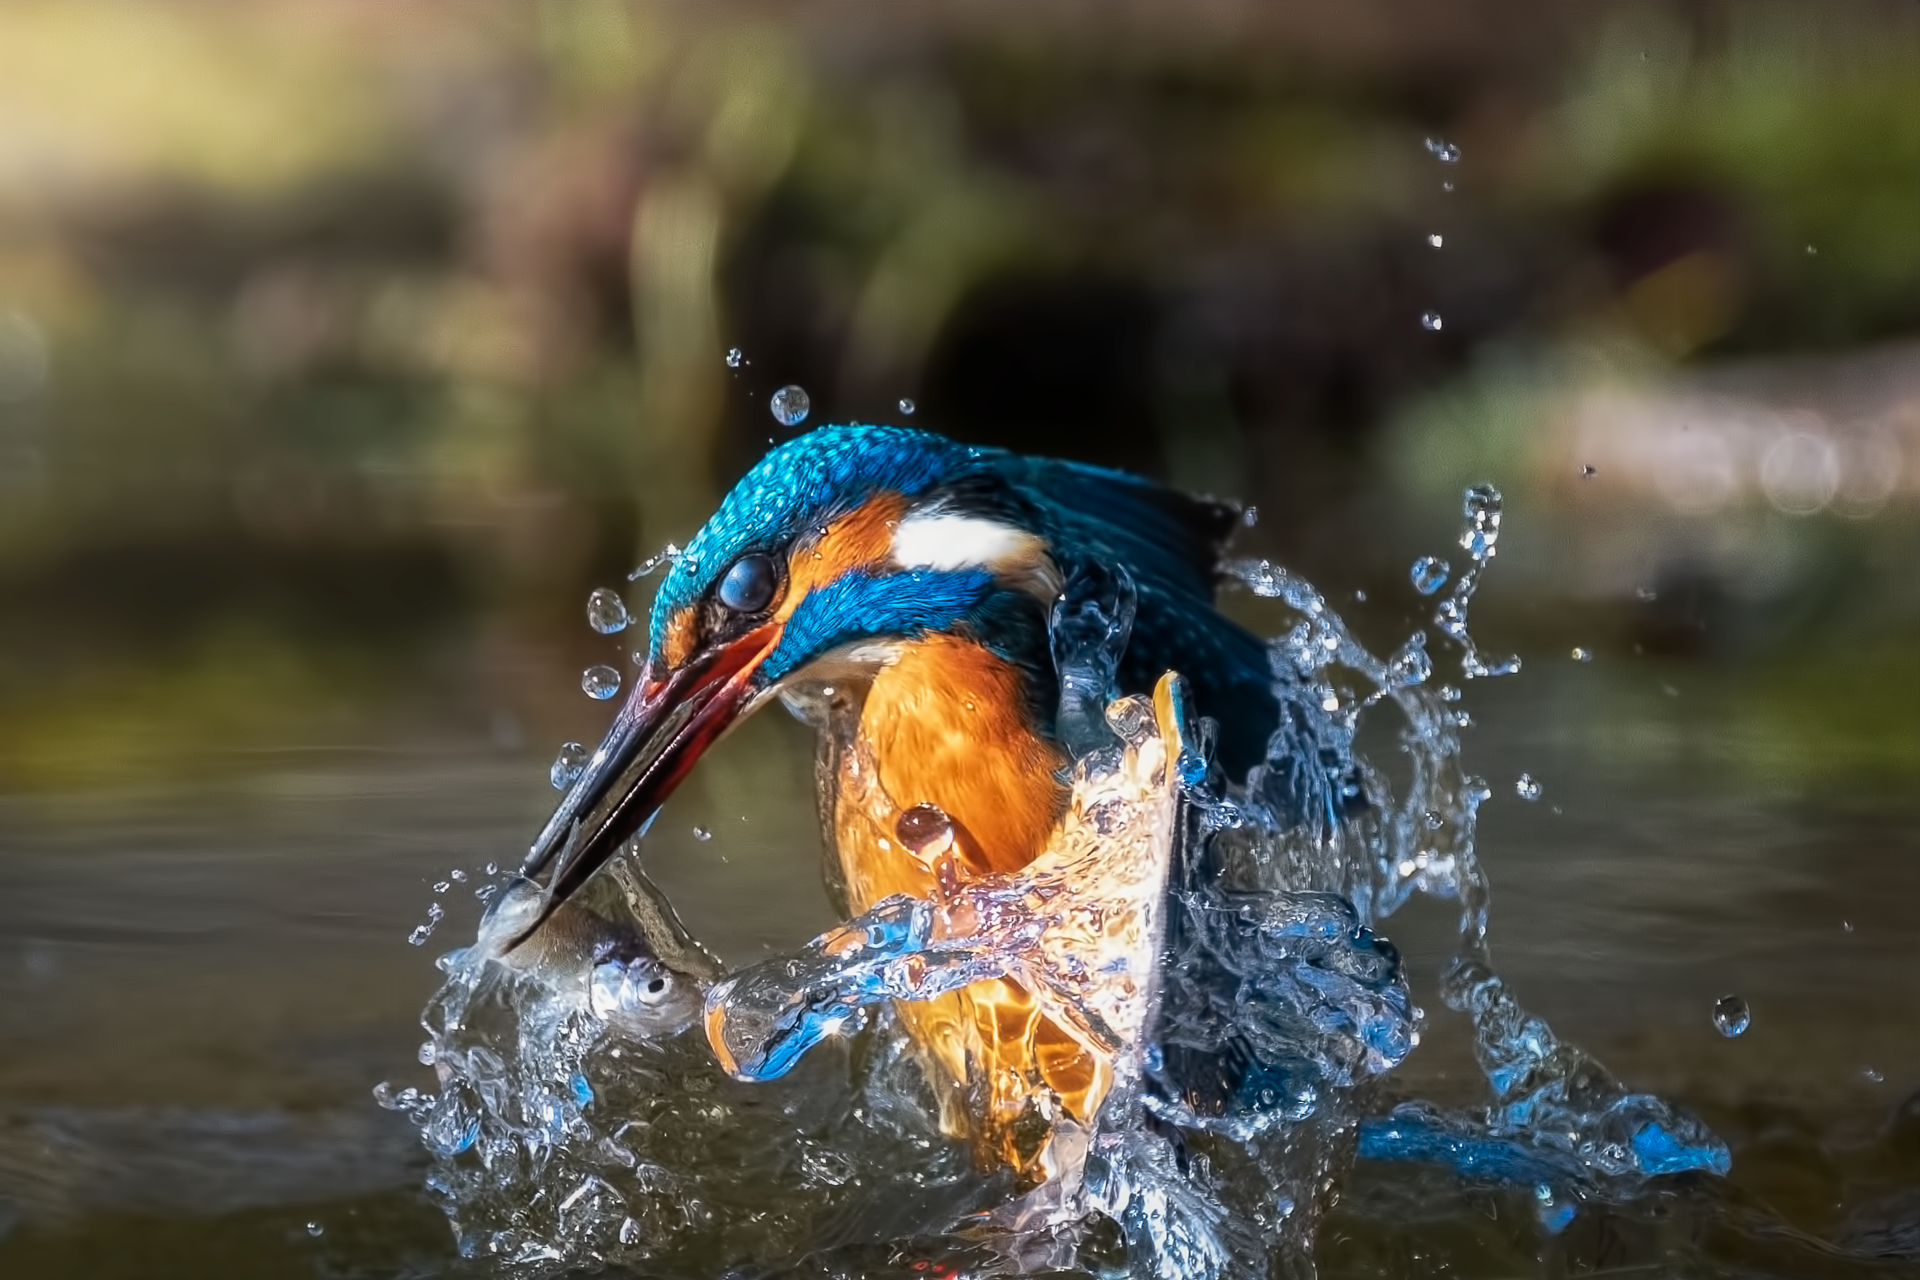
(665,725)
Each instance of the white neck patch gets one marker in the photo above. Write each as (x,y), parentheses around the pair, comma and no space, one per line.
(947,541)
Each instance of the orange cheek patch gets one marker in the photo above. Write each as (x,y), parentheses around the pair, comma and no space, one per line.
(861,537)
(678,644)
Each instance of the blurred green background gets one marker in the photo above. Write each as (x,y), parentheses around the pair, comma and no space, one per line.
(344,347)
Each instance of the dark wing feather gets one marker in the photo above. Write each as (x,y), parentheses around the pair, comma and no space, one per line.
(1157,532)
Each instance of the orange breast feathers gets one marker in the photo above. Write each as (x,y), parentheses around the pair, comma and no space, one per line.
(944,725)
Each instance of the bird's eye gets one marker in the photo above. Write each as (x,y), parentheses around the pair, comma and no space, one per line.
(749,585)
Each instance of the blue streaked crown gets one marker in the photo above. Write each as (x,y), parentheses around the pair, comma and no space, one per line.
(810,480)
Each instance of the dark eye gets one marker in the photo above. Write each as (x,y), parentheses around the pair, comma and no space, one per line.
(749,585)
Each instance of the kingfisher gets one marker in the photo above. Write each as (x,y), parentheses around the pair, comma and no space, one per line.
(895,587)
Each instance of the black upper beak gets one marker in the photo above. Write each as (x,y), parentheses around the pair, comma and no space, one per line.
(663,728)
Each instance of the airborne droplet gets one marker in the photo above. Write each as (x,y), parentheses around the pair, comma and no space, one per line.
(1527,787)
(906,406)
(1429,574)
(791,406)
(1431,321)
(1436,239)
(607,612)
(566,767)
(1443,151)
(1731,1016)
(702,834)
(735,357)
(600,682)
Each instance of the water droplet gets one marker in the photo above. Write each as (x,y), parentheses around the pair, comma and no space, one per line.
(1812,252)
(1847,925)
(1429,574)
(427,1053)
(1645,593)
(735,357)
(1431,321)
(566,767)
(1435,239)
(493,868)
(442,886)
(600,682)
(1446,186)
(1443,151)
(702,834)
(1527,788)
(457,876)
(1582,655)
(1731,1016)
(906,406)
(791,406)
(315,1229)
(1872,1076)
(1588,472)
(607,612)
(1250,517)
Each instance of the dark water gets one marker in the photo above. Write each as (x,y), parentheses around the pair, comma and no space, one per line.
(199,986)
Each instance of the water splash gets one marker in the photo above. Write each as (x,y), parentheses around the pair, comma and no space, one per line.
(605,1094)
(573,1122)
(1480,538)
(666,556)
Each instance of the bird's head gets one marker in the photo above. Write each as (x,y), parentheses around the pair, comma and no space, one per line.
(838,547)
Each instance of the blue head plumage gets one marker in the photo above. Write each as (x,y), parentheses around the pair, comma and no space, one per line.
(805,484)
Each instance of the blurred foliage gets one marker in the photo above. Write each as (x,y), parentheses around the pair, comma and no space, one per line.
(375,335)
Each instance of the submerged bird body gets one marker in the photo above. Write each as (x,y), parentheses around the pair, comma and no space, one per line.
(899,586)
